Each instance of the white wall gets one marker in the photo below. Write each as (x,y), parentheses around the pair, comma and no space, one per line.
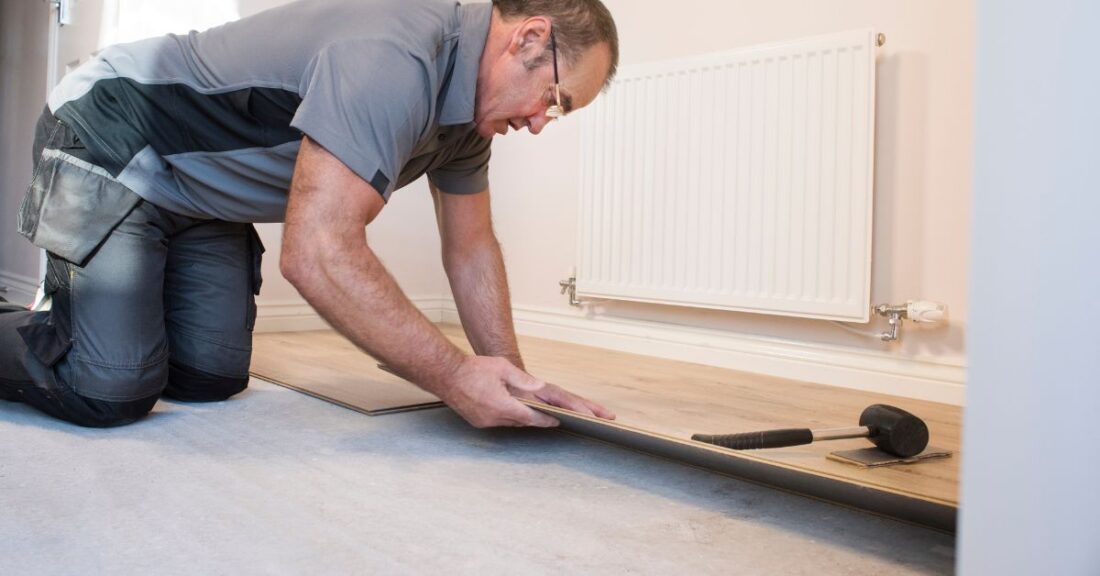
(922,184)
(1029,481)
(23,32)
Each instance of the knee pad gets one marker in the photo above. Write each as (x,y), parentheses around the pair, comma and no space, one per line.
(104,414)
(188,384)
(64,404)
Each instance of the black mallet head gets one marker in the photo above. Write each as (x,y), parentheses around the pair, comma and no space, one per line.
(894,430)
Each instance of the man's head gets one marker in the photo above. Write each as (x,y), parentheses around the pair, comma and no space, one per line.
(515,84)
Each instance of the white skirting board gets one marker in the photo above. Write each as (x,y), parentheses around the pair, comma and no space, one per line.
(296,315)
(21,289)
(929,378)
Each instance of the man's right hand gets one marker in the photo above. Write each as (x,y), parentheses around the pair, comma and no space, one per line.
(483,388)
(326,257)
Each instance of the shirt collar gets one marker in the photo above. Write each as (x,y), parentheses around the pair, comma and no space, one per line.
(458,102)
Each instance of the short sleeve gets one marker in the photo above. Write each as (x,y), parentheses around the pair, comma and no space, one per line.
(467,172)
(367,103)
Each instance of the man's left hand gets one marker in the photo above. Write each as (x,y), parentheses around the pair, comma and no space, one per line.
(555,395)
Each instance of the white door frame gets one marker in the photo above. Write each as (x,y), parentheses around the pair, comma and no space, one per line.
(52,37)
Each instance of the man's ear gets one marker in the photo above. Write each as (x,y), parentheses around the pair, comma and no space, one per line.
(534,31)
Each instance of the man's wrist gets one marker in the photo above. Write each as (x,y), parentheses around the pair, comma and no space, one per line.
(448,369)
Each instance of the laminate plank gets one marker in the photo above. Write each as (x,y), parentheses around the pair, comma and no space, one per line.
(677,399)
(326,365)
(750,466)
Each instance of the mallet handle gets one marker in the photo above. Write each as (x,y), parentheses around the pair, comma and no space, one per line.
(780,438)
(758,440)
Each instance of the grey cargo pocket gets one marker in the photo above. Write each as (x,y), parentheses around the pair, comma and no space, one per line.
(72,205)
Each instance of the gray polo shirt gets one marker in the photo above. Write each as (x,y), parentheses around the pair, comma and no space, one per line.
(209,124)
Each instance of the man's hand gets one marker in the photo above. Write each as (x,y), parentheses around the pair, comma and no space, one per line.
(482,391)
(326,257)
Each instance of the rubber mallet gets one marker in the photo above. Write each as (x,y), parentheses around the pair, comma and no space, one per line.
(893,430)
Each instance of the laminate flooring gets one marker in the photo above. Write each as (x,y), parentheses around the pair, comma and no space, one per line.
(670,401)
(326,365)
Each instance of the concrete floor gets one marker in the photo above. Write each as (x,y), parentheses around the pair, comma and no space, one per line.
(275,482)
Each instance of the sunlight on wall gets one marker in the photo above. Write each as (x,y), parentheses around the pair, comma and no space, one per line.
(129,20)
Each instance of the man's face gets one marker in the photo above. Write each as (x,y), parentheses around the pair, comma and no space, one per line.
(514,96)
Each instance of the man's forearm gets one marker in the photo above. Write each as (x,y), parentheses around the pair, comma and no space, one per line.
(357,295)
(326,257)
(480,286)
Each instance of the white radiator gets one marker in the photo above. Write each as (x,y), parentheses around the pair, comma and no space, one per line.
(738,180)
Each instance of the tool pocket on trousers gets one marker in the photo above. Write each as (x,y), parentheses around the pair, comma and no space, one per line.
(72,206)
(48,133)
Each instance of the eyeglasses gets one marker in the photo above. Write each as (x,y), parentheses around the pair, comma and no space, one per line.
(555,110)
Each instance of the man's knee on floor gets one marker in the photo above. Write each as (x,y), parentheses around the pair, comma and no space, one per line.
(107,414)
(93,396)
(189,384)
(64,404)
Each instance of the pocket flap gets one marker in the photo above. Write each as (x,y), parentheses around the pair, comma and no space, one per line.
(45,341)
(72,206)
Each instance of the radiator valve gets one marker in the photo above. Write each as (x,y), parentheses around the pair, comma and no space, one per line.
(921,311)
(570,286)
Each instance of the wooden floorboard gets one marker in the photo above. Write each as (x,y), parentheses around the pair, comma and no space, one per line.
(679,399)
(752,466)
(661,403)
(325,365)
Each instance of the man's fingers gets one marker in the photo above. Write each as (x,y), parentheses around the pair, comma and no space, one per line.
(521,415)
(521,380)
(540,420)
(599,411)
(558,396)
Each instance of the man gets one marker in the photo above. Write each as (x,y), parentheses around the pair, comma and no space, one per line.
(153,160)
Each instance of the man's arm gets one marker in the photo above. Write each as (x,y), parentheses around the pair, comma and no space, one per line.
(325,255)
(475,269)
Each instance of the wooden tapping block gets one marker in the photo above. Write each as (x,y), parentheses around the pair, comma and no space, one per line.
(873,457)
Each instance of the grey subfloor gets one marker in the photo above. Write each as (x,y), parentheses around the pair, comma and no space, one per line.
(274,482)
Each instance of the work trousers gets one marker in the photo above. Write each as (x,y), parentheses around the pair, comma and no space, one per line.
(145,301)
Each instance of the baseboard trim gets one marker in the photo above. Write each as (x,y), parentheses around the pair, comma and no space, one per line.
(297,316)
(924,378)
(21,289)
